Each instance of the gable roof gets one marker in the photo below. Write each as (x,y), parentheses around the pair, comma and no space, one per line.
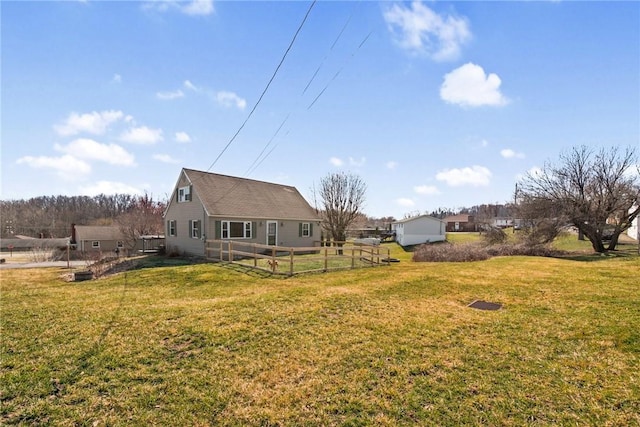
(459,218)
(230,196)
(413,218)
(98,232)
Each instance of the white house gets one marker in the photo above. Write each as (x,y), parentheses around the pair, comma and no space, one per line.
(633,230)
(419,229)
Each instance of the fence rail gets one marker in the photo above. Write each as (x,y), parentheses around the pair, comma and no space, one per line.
(289,260)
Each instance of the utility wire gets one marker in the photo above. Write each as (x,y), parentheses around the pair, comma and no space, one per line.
(266,87)
(340,70)
(250,168)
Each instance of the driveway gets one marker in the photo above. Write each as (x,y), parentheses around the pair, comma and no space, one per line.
(62,264)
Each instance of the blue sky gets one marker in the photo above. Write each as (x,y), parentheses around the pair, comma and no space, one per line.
(432,104)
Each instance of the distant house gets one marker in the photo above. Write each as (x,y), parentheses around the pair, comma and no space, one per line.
(206,205)
(502,222)
(25,243)
(462,222)
(418,230)
(97,238)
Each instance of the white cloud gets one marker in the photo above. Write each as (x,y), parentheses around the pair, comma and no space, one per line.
(508,153)
(182,137)
(230,99)
(357,163)
(469,86)
(108,187)
(419,29)
(167,96)
(191,86)
(165,158)
(198,7)
(142,135)
(392,165)
(89,149)
(484,143)
(193,7)
(336,161)
(67,166)
(475,175)
(427,190)
(117,78)
(405,203)
(95,122)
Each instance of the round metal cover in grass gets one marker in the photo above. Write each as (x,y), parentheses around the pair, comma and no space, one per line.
(485,305)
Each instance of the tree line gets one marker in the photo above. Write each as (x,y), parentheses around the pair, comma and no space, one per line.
(52,216)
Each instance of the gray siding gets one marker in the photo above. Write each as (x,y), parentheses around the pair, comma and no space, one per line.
(182,213)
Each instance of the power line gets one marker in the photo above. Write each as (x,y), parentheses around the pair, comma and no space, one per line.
(340,70)
(266,87)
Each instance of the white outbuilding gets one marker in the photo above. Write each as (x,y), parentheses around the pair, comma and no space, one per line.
(418,230)
(633,231)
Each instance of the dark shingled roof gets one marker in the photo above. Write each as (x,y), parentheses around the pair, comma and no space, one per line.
(98,232)
(229,196)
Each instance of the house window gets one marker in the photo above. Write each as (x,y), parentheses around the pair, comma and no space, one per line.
(306,229)
(184,194)
(236,230)
(119,244)
(171,226)
(196,228)
(95,244)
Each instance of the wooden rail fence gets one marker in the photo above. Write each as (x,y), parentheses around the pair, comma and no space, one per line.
(290,260)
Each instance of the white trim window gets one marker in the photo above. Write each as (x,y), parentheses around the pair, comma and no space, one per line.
(196,228)
(119,244)
(306,229)
(237,229)
(184,194)
(171,226)
(95,244)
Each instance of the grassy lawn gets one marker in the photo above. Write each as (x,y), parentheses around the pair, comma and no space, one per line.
(219,345)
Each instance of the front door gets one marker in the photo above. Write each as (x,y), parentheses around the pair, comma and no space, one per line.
(272,233)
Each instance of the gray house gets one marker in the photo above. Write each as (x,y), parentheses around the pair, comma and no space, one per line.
(206,205)
(97,238)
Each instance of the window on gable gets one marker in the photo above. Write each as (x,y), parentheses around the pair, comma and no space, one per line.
(184,194)
(236,229)
(171,226)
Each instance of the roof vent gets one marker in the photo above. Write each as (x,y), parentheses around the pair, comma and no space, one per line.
(485,305)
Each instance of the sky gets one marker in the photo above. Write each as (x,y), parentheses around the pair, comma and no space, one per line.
(430,104)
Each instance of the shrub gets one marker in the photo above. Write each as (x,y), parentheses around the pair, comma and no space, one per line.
(447,252)
(494,236)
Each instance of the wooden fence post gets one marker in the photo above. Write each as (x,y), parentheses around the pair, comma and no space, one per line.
(291,262)
(353,257)
(326,255)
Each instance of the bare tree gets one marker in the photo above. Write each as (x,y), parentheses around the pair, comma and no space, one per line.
(342,198)
(144,218)
(597,192)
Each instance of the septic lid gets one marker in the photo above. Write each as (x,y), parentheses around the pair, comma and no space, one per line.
(485,305)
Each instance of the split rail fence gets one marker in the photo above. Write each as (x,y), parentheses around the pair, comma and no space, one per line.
(289,261)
